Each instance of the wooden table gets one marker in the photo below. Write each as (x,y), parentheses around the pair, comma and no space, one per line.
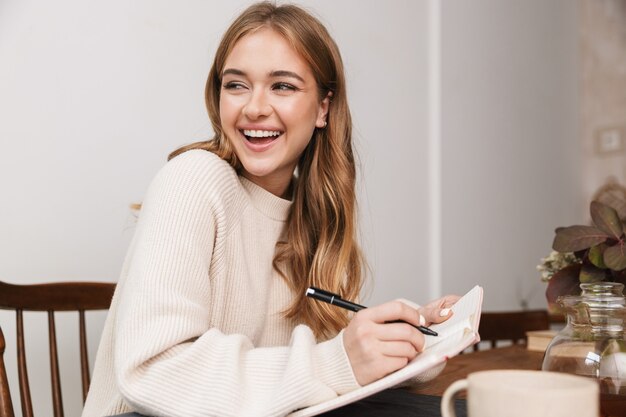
(509,357)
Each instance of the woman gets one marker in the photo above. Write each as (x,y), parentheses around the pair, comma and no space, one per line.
(209,316)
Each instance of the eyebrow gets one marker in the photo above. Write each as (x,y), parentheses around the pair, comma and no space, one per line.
(282,73)
(233,71)
(277,73)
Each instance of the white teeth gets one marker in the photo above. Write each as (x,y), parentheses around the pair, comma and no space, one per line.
(261,133)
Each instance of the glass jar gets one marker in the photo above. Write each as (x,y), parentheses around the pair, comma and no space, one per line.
(593,343)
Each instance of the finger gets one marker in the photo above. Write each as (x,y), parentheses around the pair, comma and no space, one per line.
(409,303)
(398,350)
(449,300)
(443,302)
(391,311)
(401,332)
(436,315)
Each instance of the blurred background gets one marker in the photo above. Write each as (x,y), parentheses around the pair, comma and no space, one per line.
(480,127)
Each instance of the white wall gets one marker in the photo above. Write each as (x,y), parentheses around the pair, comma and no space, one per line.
(94,95)
(511,149)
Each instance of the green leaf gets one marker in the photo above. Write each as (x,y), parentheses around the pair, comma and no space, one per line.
(606,219)
(575,238)
(596,255)
(615,257)
(590,273)
(564,282)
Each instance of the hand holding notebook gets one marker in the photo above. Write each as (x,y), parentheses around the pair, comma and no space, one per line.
(454,335)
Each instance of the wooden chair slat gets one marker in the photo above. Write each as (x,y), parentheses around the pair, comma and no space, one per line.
(27,405)
(57,400)
(6,405)
(84,360)
(511,325)
(62,296)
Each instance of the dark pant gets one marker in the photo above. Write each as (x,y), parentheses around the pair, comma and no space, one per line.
(396,403)
(388,403)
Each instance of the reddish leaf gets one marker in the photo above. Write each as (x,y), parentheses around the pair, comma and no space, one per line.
(575,238)
(606,219)
(618,276)
(564,282)
(615,257)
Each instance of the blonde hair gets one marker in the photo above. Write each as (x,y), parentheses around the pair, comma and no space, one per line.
(320,248)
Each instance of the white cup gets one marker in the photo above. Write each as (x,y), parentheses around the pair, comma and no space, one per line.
(517,393)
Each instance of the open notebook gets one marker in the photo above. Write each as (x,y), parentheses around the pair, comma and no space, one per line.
(455,335)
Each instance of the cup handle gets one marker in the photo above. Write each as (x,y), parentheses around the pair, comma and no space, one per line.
(447,401)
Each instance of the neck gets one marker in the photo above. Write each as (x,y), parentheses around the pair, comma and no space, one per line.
(279,186)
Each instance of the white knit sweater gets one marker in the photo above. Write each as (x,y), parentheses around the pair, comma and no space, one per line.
(195,326)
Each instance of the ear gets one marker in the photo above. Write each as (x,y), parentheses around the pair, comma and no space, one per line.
(323,111)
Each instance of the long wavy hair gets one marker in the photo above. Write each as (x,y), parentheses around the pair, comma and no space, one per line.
(320,247)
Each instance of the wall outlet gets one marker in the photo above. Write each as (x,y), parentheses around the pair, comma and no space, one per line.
(609,140)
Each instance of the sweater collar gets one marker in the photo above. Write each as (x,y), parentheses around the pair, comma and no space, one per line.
(267,203)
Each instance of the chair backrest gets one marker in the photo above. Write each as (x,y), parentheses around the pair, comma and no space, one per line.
(511,325)
(63,296)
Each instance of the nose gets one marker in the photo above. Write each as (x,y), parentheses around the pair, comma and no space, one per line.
(257,106)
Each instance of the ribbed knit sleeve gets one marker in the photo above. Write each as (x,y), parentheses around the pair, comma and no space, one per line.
(168,361)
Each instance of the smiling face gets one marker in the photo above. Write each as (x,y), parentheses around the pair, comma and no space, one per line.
(269,107)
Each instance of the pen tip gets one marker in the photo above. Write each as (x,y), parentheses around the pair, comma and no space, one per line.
(309,291)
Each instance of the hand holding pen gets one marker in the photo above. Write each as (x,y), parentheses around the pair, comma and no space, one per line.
(334,299)
(377,342)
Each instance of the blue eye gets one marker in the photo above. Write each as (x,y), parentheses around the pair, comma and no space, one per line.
(282,86)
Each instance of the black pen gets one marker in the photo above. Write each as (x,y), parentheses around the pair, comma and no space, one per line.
(336,300)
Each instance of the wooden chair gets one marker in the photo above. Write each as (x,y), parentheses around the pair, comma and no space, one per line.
(511,325)
(68,296)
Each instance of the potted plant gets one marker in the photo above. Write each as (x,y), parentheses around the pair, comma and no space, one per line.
(585,254)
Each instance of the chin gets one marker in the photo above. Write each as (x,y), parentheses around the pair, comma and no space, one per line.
(258,170)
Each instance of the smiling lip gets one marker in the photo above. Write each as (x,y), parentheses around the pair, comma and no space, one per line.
(259,144)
